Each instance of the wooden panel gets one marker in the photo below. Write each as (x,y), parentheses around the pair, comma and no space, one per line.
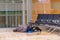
(55,11)
(34,17)
(34,1)
(38,8)
(55,0)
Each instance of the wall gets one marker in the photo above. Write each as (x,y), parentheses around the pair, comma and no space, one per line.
(51,7)
(10,6)
(38,8)
(55,6)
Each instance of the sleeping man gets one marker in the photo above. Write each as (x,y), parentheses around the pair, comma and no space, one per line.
(27,28)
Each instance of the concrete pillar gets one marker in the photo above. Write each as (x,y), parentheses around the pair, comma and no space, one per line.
(29,10)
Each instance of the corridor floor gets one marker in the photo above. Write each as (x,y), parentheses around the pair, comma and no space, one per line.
(28,36)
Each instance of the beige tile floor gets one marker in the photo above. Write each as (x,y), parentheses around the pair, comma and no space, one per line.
(28,36)
(8,34)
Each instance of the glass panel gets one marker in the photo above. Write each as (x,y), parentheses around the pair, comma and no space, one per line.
(2,1)
(20,12)
(10,1)
(2,12)
(26,17)
(2,21)
(18,1)
(19,20)
(12,11)
(11,21)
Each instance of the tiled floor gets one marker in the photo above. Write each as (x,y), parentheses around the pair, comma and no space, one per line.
(28,36)
(8,34)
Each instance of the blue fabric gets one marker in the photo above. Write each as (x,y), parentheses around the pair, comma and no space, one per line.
(30,30)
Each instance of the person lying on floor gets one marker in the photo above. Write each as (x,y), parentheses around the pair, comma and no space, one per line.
(21,28)
(33,28)
(28,28)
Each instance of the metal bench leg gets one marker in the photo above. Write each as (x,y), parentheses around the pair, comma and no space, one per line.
(59,34)
(53,30)
(49,29)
